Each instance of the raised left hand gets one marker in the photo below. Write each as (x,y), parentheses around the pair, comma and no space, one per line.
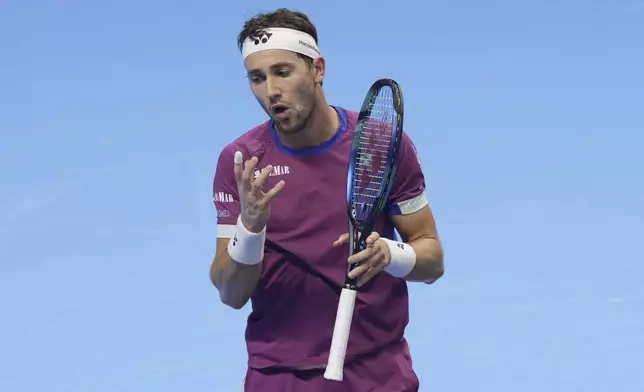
(373,259)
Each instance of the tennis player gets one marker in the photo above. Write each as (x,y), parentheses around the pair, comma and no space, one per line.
(280,194)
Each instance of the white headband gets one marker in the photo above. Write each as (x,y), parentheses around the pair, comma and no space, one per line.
(281,38)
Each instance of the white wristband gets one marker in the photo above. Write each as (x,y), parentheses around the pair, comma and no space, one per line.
(246,247)
(403,258)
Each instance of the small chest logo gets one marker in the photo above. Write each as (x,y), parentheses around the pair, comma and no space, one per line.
(278,170)
(223,197)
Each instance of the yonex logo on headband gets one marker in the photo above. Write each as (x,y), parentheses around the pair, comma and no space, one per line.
(263,39)
(281,38)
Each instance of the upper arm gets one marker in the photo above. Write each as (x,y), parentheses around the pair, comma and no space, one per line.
(225,198)
(409,210)
(407,206)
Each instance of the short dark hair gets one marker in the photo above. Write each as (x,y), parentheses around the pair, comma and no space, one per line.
(282,17)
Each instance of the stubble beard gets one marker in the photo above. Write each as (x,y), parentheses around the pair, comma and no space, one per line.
(298,120)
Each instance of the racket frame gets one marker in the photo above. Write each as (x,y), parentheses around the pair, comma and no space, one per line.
(359,230)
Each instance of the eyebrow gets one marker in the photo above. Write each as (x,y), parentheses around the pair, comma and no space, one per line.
(272,67)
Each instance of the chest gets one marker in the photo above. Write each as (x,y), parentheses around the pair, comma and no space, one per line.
(312,205)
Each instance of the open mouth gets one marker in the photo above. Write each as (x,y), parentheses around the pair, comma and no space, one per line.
(279,110)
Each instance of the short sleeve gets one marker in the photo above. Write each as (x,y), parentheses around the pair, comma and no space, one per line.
(408,192)
(225,195)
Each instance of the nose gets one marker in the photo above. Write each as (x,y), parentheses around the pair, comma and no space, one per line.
(272,89)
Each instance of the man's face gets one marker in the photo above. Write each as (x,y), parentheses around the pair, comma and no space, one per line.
(284,85)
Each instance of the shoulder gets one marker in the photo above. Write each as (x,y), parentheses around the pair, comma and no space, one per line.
(249,143)
(352,116)
(349,119)
(352,120)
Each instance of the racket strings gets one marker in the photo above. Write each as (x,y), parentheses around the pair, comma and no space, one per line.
(372,151)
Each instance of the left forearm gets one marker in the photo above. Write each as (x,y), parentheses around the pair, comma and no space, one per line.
(429,260)
(420,258)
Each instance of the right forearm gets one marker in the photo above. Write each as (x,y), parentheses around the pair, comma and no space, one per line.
(235,281)
(237,267)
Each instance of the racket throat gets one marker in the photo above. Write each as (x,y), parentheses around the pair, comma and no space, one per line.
(358,243)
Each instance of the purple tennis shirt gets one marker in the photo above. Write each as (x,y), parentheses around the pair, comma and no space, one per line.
(294,305)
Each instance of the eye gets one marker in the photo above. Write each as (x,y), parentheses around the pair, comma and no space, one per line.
(256,79)
(283,73)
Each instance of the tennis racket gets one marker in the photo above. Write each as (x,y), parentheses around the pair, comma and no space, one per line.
(372,168)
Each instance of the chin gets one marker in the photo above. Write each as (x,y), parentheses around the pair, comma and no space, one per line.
(288,130)
(289,127)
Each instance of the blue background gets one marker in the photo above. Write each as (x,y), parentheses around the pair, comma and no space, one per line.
(528,117)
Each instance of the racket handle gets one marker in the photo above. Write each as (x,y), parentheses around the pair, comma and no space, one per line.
(340,340)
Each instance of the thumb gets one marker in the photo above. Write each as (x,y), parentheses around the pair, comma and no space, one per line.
(343,239)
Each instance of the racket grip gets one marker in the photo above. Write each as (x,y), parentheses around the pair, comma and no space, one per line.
(340,339)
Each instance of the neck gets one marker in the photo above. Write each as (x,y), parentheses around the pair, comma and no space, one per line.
(321,126)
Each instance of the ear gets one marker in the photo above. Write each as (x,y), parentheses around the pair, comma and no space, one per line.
(319,68)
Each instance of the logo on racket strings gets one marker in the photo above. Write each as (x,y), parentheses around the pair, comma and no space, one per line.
(366,160)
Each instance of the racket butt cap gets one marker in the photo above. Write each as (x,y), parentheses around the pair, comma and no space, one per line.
(333,375)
